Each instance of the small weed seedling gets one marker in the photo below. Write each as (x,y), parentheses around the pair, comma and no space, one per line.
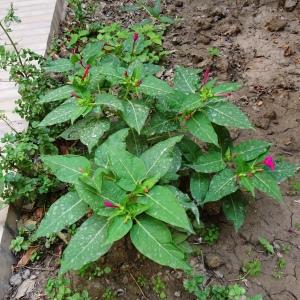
(209,234)
(280,266)
(159,287)
(108,294)
(266,245)
(19,244)
(252,268)
(214,52)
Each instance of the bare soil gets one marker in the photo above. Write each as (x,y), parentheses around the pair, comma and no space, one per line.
(260,48)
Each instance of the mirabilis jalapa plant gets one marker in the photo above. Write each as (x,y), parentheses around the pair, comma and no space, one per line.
(144,138)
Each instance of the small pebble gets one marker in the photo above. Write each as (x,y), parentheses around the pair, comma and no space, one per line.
(15,280)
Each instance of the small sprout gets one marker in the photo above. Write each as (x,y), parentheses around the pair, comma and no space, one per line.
(214,51)
(252,268)
(266,245)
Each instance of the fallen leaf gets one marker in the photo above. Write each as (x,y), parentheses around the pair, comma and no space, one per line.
(26,257)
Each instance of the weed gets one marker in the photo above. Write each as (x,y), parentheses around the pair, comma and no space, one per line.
(252,268)
(108,294)
(266,245)
(214,52)
(159,287)
(19,244)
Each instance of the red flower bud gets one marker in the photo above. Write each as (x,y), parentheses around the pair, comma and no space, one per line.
(109,204)
(205,76)
(269,162)
(126,74)
(135,37)
(86,72)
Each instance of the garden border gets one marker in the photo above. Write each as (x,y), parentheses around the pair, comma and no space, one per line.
(8,215)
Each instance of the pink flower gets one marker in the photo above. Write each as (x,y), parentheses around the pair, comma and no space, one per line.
(109,204)
(205,76)
(135,37)
(269,162)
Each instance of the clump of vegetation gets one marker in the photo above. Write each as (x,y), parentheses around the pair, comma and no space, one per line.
(252,268)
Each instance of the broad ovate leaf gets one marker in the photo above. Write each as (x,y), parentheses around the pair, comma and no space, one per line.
(235,209)
(60,93)
(166,207)
(59,66)
(118,228)
(87,245)
(264,182)
(251,149)
(200,126)
(227,114)
(153,239)
(153,86)
(67,168)
(221,185)
(116,140)
(110,101)
(158,159)
(209,162)
(135,114)
(186,79)
(199,185)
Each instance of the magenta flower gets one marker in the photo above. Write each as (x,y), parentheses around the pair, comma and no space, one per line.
(109,204)
(135,37)
(269,162)
(206,75)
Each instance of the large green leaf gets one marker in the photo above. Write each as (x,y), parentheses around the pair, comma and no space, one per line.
(199,185)
(114,74)
(234,208)
(116,140)
(153,239)
(67,210)
(60,114)
(153,86)
(226,88)
(60,93)
(209,162)
(158,159)
(227,114)
(59,66)
(251,149)
(118,228)
(165,207)
(67,168)
(267,184)
(186,79)
(200,126)
(189,149)
(135,114)
(221,185)
(110,101)
(283,171)
(129,169)
(92,51)
(87,245)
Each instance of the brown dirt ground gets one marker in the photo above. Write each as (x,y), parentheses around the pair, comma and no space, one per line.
(267,63)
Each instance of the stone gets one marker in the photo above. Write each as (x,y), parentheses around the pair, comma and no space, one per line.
(276,24)
(213,261)
(26,274)
(290,5)
(15,280)
(26,287)
(177,294)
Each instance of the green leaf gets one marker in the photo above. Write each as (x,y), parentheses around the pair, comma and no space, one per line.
(221,185)
(226,88)
(189,149)
(209,162)
(136,48)
(186,79)
(267,184)
(116,140)
(129,169)
(92,132)
(199,187)
(60,114)
(67,168)
(60,93)
(227,114)
(91,51)
(283,171)
(153,239)
(114,74)
(247,184)
(266,245)
(251,149)
(160,123)
(158,159)
(118,228)
(234,208)
(59,66)
(200,126)
(67,210)
(165,207)
(110,101)
(135,114)
(87,245)
(153,86)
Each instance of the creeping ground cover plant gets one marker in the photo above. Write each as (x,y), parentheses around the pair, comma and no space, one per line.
(155,154)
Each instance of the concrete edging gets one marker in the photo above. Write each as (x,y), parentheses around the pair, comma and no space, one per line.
(8,216)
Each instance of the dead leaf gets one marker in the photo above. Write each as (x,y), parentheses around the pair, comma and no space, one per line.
(26,257)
